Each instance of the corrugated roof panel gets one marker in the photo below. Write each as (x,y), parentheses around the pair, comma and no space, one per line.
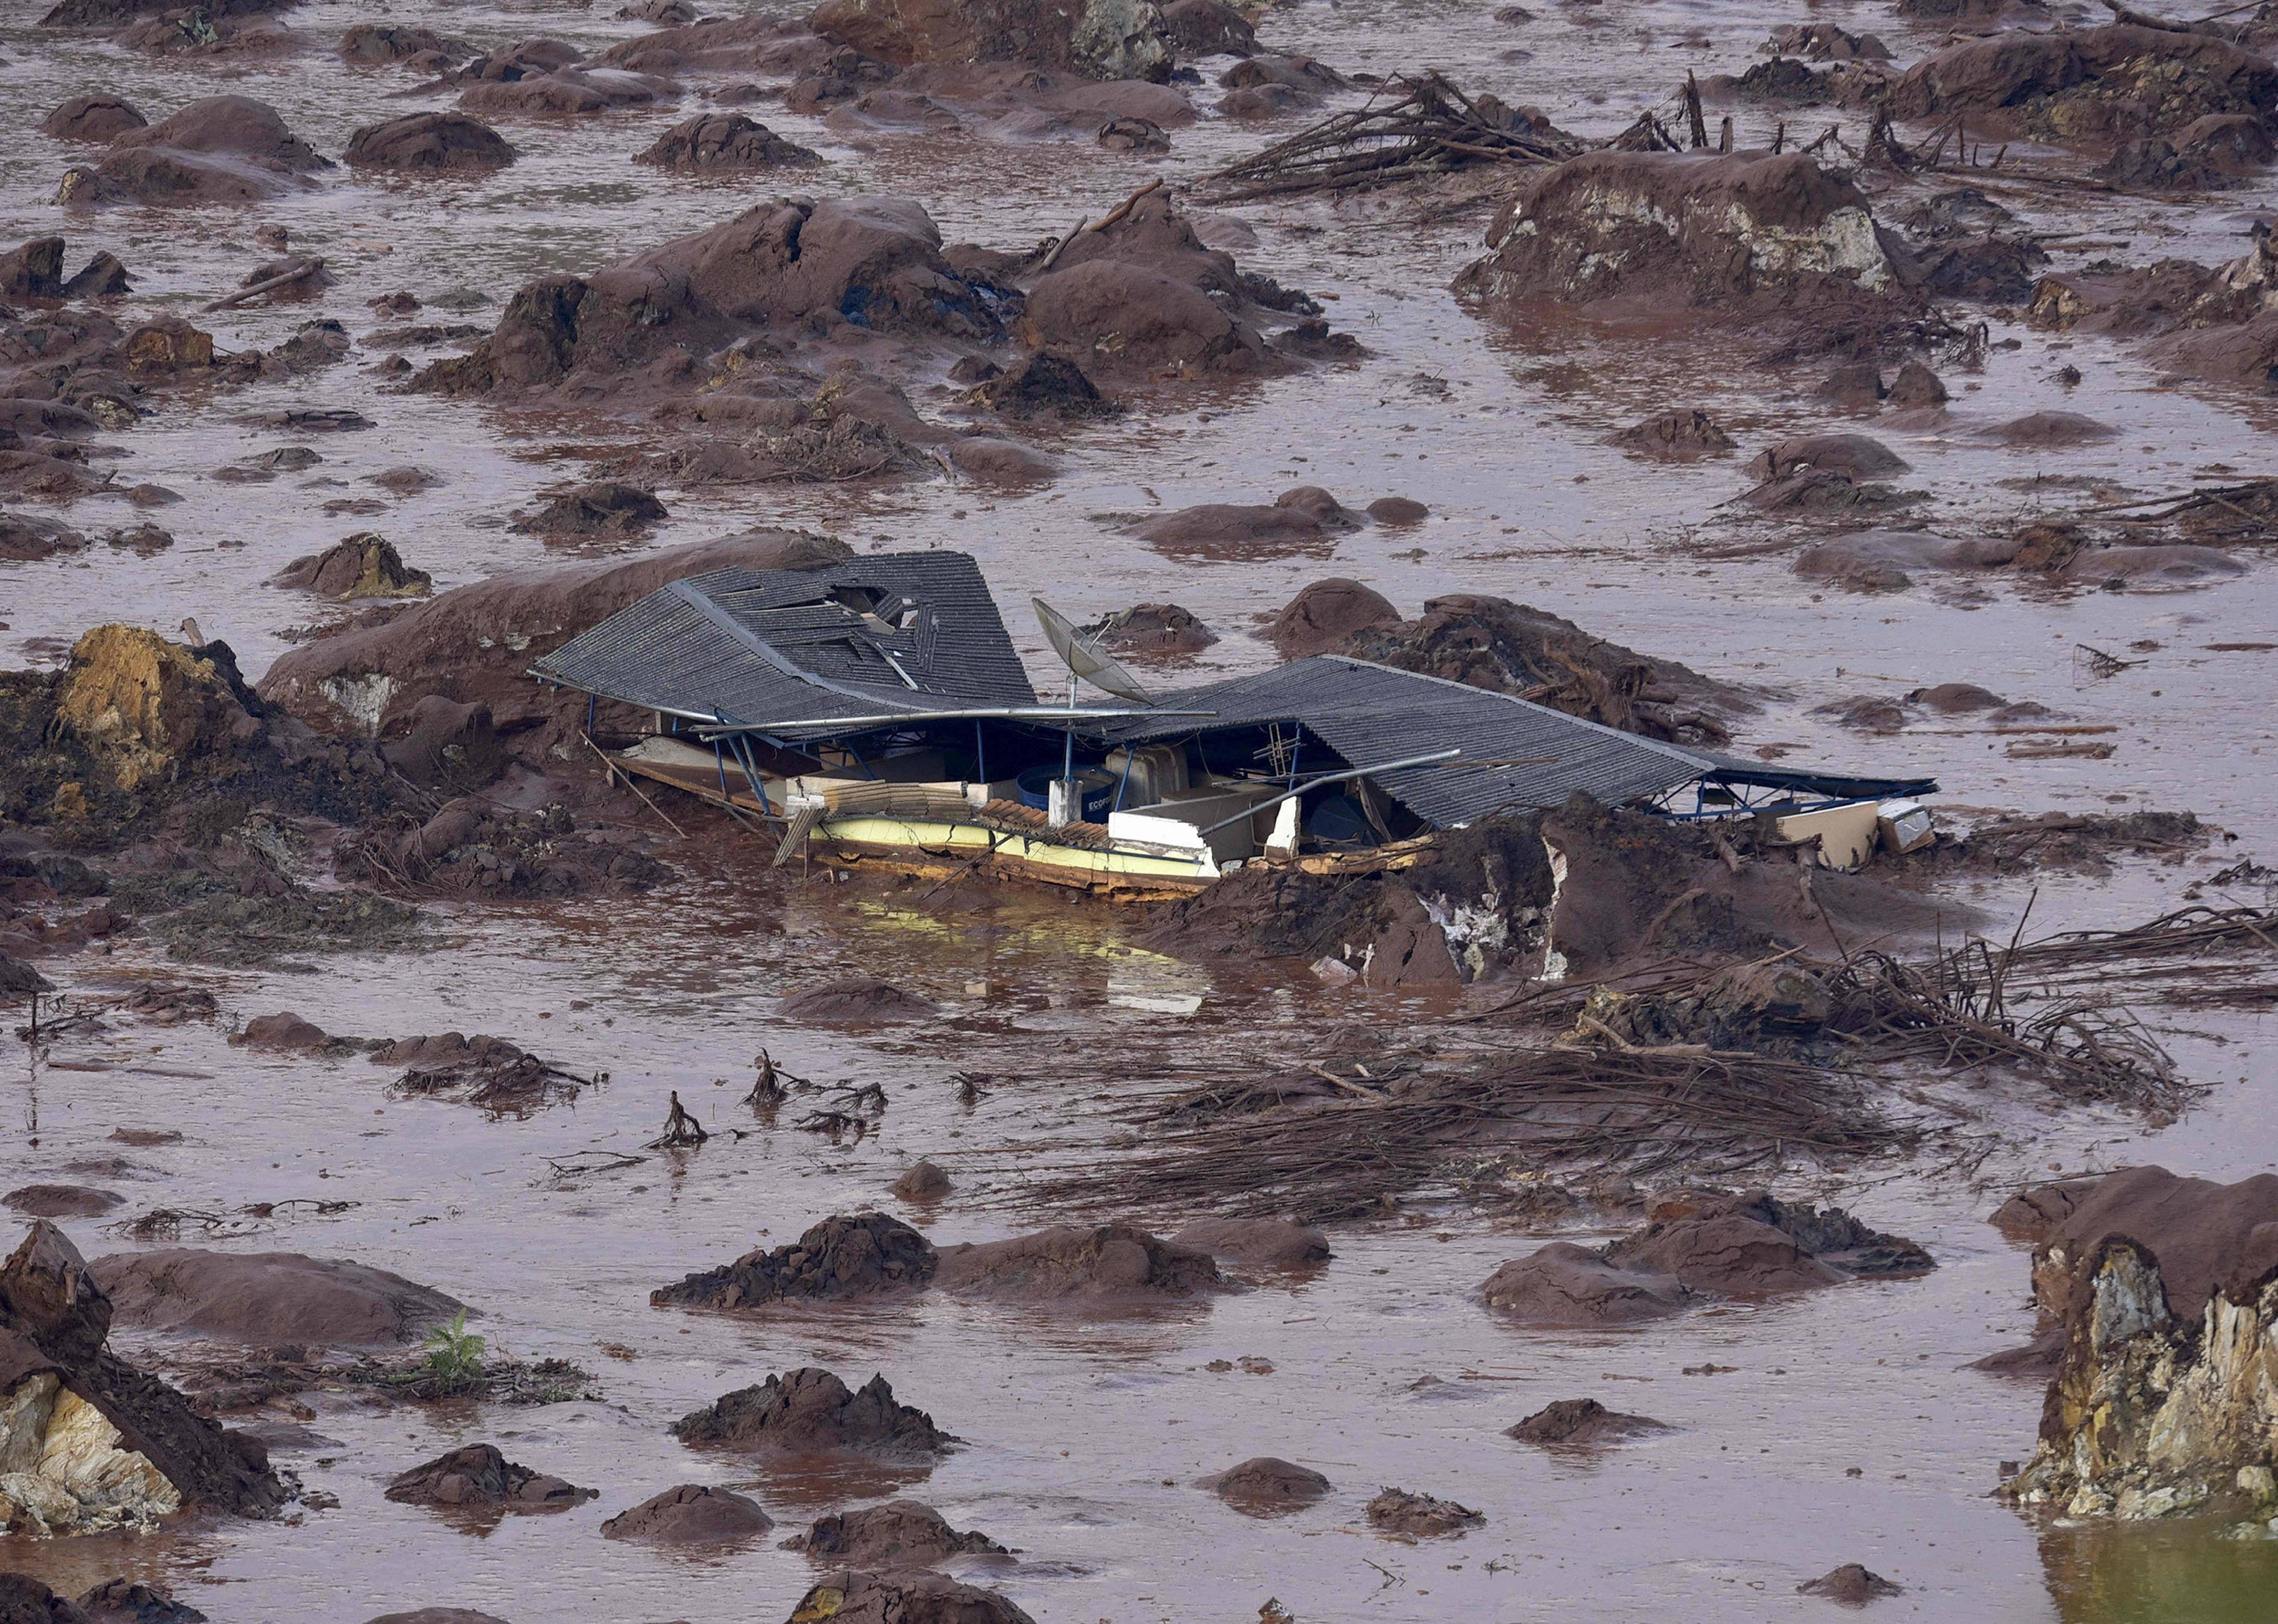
(1516,754)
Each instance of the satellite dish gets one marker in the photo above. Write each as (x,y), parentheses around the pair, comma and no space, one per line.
(1085,657)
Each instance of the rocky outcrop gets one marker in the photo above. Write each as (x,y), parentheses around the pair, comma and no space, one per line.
(692,1516)
(810,1409)
(865,1255)
(2165,1292)
(1267,1486)
(2095,85)
(88,1442)
(904,1595)
(97,117)
(1099,39)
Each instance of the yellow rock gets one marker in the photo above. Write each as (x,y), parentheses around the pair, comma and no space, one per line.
(141,703)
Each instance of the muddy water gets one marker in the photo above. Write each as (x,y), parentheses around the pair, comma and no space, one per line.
(1084,1436)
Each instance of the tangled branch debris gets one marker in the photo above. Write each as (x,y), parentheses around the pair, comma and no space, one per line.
(681,1129)
(1415,126)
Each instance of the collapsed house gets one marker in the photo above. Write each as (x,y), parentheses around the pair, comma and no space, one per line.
(875,709)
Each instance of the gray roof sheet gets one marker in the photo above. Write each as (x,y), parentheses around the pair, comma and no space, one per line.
(886,631)
(1516,754)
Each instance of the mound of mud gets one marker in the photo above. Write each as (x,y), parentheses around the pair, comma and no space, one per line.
(269,1299)
(1298,521)
(128,1601)
(904,1595)
(2088,87)
(95,1444)
(1507,647)
(861,1256)
(1157,631)
(1422,1516)
(1099,39)
(225,148)
(898,1534)
(477,1477)
(1267,1487)
(1740,237)
(855,1000)
(1851,1585)
(713,141)
(1581,1423)
(694,1514)
(473,645)
(1716,1246)
(428,141)
(1271,1243)
(924,1183)
(811,1411)
(483,1072)
(472,846)
(61,1201)
(364,565)
(601,508)
(1065,1263)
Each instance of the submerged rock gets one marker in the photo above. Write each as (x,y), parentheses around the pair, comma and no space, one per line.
(694,1514)
(810,1409)
(924,1182)
(861,1256)
(1276,1243)
(898,1534)
(1066,1263)
(855,1000)
(1399,1511)
(429,141)
(903,1595)
(99,117)
(1851,1585)
(1326,615)
(225,148)
(477,1477)
(1715,1245)
(1267,1487)
(713,141)
(1680,434)
(1581,1423)
(266,1299)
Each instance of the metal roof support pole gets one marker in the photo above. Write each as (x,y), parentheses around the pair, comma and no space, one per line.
(744,759)
(1124,782)
(720,760)
(591,702)
(1296,747)
(980,754)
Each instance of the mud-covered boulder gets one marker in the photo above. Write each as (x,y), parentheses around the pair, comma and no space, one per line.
(810,1411)
(91,1444)
(903,1595)
(692,1515)
(473,646)
(564,92)
(223,148)
(429,141)
(130,1601)
(113,14)
(1099,39)
(923,1183)
(1158,630)
(865,1255)
(35,269)
(1208,29)
(365,565)
(269,1299)
(477,1477)
(711,142)
(1271,1243)
(149,710)
(98,116)
(1566,1284)
(1326,615)
(1066,1263)
(1580,1423)
(1742,236)
(366,43)
(1267,1486)
(898,1534)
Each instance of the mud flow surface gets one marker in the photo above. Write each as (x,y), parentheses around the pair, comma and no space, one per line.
(455,1183)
